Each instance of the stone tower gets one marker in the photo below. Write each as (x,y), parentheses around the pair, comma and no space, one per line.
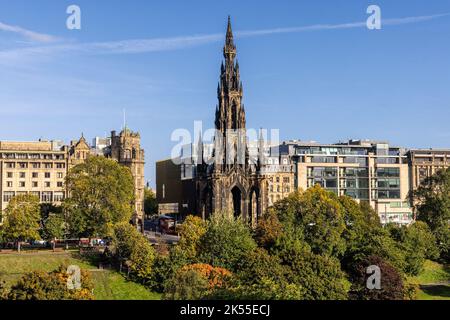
(78,151)
(231,183)
(126,149)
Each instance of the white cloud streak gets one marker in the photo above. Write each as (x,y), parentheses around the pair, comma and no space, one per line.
(182,42)
(31,35)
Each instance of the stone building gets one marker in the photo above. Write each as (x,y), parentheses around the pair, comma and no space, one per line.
(126,149)
(426,162)
(40,167)
(231,183)
(279,171)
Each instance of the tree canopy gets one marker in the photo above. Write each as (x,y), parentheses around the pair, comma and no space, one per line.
(101,194)
(432,205)
(22,219)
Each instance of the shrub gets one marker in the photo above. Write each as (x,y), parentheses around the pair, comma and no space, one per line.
(392,287)
(38,285)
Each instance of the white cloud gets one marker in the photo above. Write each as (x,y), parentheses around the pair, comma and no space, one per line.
(31,35)
(174,43)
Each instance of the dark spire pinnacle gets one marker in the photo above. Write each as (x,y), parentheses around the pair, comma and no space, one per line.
(229,49)
(229,30)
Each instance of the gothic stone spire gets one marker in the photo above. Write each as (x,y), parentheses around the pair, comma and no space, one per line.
(230,113)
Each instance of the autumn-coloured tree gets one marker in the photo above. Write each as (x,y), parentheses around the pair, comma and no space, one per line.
(268,230)
(192,230)
(196,281)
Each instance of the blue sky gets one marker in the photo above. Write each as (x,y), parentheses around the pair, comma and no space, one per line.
(160,61)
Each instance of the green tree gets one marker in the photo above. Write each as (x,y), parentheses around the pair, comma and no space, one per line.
(134,249)
(165,266)
(266,289)
(380,243)
(54,227)
(418,244)
(317,216)
(150,203)
(188,285)
(259,266)
(101,195)
(227,241)
(432,200)
(142,258)
(22,219)
(319,276)
(125,237)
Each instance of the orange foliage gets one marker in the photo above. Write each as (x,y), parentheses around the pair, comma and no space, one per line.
(216,276)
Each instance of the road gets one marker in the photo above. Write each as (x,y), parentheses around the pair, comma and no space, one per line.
(156,237)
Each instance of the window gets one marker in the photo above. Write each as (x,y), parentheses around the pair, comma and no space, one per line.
(388,172)
(323,159)
(10,165)
(388,194)
(58,196)
(386,160)
(353,172)
(22,184)
(47,175)
(10,174)
(8,195)
(35,175)
(322,172)
(9,184)
(60,175)
(46,196)
(23,165)
(59,184)
(22,175)
(36,165)
(286,180)
(35,184)
(389,183)
(357,193)
(48,166)
(60,165)
(331,183)
(277,179)
(47,184)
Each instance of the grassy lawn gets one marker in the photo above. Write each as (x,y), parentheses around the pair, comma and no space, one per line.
(111,285)
(434,282)
(108,285)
